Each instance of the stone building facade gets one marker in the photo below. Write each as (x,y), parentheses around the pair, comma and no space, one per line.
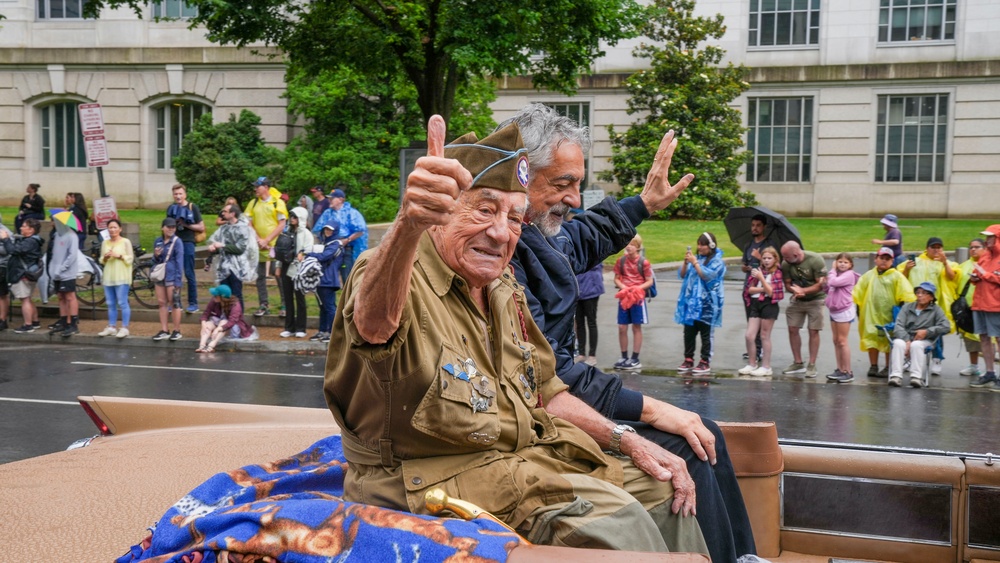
(856,108)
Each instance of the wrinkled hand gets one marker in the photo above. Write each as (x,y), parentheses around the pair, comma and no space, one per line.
(673,420)
(662,466)
(657,194)
(433,188)
(920,334)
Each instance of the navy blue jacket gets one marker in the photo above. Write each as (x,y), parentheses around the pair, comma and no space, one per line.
(547,268)
(331,258)
(591,282)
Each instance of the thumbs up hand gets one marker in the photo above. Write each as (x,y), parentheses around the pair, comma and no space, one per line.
(433,188)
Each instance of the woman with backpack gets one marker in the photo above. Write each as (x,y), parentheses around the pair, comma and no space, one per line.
(289,250)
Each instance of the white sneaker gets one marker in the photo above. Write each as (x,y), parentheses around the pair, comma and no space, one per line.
(746,370)
(936,366)
(300,335)
(122,333)
(762,372)
(108,331)
(285,334)
(971,370)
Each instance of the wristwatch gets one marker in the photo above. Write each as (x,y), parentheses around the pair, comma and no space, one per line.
(616,438)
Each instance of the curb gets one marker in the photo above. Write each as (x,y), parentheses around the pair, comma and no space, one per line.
(258,346)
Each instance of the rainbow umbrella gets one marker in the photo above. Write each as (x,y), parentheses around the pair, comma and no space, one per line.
(67,218)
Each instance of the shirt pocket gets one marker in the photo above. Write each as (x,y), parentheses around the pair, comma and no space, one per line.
(460,406)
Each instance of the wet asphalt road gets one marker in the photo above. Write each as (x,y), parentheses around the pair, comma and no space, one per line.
(39,385)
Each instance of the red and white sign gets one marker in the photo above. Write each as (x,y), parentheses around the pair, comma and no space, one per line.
(104,210)
(91,120)
(96,148)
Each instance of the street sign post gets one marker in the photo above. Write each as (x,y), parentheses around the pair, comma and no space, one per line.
(94,144)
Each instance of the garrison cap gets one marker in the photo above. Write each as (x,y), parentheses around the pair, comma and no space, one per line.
(499,161)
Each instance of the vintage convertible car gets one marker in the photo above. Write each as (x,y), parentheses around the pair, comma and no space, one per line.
(808,502)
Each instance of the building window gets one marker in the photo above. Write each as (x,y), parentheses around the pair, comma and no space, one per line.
(580,113)
(173,9)
(910,141)
(60,9)
(780,139)
(912,20)
(62,142)
(784,22)
(174,121)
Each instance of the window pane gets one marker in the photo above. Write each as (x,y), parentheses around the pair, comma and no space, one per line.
(779,139)
(767,29)
(784,30)
(799,28)
(912,137)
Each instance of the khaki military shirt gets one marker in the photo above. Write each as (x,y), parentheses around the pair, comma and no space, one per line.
(454,400)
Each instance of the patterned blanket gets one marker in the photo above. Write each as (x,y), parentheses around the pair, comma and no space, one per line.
(291,510)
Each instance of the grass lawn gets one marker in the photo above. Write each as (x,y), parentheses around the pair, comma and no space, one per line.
(666,241)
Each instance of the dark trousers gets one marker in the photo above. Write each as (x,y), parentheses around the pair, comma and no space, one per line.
(328,307)
(19,220)
(265,269)
(346,263)
(235,284)
(192,283)
(722,515)
(586,326)
(693,331)
(295,303)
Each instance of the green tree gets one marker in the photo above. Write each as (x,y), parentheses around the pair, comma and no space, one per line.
(686,90)
(355,125)
(221,160)
(435,45)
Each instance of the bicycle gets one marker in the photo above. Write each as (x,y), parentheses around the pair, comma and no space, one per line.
(88,282)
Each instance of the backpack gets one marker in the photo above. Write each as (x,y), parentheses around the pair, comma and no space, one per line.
(961,313)
(284,247)
(651,290)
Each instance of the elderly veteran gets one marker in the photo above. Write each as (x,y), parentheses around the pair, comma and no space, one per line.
(439,377)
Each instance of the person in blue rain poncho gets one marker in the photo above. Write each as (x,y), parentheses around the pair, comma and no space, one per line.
(699,304)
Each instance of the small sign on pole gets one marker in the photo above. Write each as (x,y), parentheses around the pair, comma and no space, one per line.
(96,148)
(91,119)
(105,210)
(94,144)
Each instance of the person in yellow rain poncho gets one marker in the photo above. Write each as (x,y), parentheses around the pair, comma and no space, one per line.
(876,293)
(970,340)
(932,265)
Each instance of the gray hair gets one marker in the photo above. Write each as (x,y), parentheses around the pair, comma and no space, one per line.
(543,131)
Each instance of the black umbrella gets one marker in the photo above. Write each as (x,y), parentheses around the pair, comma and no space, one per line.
(778,229)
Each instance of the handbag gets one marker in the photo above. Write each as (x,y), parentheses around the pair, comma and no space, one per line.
(961,313)
(32,272)
(199,236)
(159,271)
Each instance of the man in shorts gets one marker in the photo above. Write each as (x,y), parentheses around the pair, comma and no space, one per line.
(986,305)
(804,273)
(22,252)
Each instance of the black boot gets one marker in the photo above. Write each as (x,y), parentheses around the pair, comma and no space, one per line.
(71,328)
(58,326)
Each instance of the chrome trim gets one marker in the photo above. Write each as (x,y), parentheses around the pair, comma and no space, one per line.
(868,480)
(866,536)
(987,457)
